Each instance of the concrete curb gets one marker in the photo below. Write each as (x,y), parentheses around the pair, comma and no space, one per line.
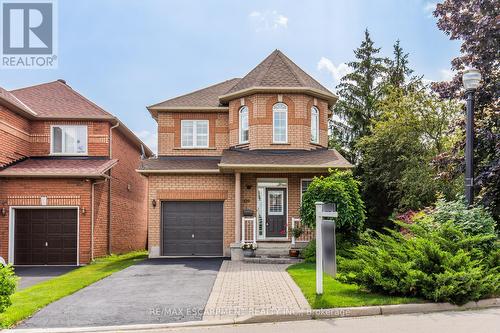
(300,315)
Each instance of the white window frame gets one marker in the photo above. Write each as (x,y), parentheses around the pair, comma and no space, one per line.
(315,114)
(244,108)
(282,195)
(301,181)
(286,123)
(195,144)
(63,143)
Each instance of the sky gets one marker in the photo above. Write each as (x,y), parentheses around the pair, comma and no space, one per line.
(127,54)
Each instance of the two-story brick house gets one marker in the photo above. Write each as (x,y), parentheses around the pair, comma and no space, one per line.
(243,147)
(68,187)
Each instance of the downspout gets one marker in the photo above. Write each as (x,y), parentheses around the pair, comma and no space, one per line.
(92,219)
(110,215)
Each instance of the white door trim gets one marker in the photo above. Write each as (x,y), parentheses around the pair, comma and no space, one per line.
(12,219)
(271,180)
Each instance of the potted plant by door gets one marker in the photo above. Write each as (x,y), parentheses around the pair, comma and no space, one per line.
(296,232)
(249,249)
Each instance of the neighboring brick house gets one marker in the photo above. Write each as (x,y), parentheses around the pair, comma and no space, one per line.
(243,147)
(68,187)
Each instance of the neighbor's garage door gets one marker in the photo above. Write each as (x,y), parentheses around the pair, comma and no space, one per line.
(45,237)
(192,228)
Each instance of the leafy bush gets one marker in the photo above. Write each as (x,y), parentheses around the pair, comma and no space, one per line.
(344,246)
(438,262)
(342,189)
(8,283)
(473,221)
(308,253)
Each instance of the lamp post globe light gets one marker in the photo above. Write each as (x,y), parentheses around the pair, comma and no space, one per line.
(470,80)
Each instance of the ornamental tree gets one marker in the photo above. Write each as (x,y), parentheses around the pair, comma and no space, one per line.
(342,189)
(476,24)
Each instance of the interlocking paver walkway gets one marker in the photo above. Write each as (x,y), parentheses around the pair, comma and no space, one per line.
(249,289)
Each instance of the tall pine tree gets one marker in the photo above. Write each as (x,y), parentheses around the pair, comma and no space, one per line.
(359,92)
(399,72)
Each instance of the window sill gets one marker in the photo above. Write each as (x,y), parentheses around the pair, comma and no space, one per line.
(63,154)
(195,148)
(316,144)
(281,144)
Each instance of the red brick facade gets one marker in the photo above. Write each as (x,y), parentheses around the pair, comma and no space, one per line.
(260,107)
(128,198)
(190,187)
(169,133)
(24,137)
(224,125)
(223,134)
(15,137)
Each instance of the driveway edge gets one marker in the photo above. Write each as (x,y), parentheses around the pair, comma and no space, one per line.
(361,311)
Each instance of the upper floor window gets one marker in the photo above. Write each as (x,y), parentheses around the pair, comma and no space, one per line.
(314,124)
(280,123)
(68,140)
(244,124)
(194,133)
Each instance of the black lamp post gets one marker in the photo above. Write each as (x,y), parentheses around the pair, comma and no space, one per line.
(470,79)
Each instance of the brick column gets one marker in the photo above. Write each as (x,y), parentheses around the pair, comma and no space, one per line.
(237,207)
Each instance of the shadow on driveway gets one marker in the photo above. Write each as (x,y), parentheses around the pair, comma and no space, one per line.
(152,291)
(33,275)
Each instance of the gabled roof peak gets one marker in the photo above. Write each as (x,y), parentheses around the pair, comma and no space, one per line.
(277,71)
(275,74)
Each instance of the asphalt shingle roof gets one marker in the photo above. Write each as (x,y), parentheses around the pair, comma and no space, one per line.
(321,158)
(276,71)
(13,100)
(50,167)
(58,100)
(206,97)
(179,163)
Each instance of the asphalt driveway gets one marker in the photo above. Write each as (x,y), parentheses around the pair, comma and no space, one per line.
(29,276)
(153,291)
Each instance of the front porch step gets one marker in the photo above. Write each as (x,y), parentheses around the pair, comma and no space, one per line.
(272,260)
(279,249)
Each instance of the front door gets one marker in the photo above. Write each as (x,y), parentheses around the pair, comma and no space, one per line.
(276,212)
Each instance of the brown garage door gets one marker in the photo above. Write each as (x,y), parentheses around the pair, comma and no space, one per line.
(192,228)
(45,237)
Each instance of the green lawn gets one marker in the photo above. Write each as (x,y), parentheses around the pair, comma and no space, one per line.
(29,300)
(337,294)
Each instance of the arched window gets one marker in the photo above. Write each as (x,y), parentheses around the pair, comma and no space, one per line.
(244,124)
(280,123)
(314,124)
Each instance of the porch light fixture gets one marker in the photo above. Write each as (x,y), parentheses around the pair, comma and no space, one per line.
(3,211)
(84,210)
(153,202)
